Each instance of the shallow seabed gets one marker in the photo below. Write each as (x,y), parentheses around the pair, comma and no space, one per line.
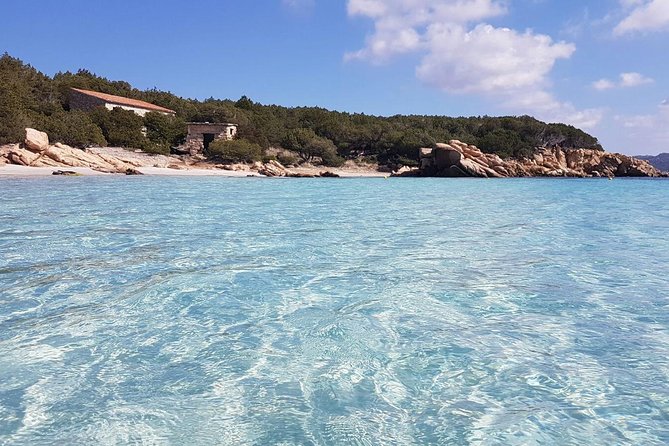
(336,312)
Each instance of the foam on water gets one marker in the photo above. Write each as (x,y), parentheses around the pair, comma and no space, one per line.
(363,311)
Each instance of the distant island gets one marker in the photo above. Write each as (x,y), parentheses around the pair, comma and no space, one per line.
(85,112)
(660,162)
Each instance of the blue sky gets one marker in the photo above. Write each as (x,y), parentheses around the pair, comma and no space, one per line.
(601,65)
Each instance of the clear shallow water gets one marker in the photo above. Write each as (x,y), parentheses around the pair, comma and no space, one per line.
(246,311)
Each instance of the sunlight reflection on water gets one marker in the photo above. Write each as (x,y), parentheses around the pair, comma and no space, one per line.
(362,311)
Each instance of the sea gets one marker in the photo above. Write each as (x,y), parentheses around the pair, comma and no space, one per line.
(400,311)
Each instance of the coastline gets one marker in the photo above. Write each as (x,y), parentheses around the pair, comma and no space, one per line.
(36,157)
(17,160)
(15,170)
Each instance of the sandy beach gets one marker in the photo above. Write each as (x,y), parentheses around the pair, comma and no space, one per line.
(12,170)
(16,160)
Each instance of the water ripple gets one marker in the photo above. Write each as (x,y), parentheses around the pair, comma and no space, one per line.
(363,312)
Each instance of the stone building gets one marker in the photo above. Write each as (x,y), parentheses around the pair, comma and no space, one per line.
(201,134)
(88,100)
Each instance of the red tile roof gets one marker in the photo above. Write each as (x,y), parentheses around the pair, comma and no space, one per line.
(120,100)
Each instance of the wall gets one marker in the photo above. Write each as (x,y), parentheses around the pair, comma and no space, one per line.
(196,132)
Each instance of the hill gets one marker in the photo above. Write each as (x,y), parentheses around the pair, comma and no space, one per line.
(28,98)
(660,162)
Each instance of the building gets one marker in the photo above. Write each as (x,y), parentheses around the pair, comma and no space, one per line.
(88,100)
(201,134)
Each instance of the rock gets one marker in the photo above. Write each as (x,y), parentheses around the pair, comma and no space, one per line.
(425,152)
(405,171)
(501,170)
(457,159)
(445,157)
(70,173)
(36,141)
(473,168)
(132,171)
(454,172)
(328,174)
(272,169)
(300,175)
(22,157)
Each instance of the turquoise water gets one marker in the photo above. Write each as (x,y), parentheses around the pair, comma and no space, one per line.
(333,312)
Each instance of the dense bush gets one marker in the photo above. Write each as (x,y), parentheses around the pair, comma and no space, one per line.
(287,158)
(121,128)
(75,128)
(164,131)
(29,98)
(235,151)
(311,147)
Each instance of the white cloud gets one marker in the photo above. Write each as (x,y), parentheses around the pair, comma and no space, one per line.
(545,106)
(400,25)
(488,59)
(634,80)
(653,128)
(643,16)
(463,54)
(299,5)
(603,84)
(627,80)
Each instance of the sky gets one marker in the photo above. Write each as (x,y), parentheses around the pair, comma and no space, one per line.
(600,65)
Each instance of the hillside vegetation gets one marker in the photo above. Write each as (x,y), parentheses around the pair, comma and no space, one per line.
(29,98)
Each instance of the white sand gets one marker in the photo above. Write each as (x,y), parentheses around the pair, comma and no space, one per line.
(13,170)
(196,172)
(25,171)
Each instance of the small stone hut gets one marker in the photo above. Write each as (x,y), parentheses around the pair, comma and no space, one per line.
(88,100)
(201,134)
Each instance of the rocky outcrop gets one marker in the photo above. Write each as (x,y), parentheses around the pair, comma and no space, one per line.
(457,159)
(274,168)
(328,174)
(271,169)
(60,155)
(36,141)
(36,152)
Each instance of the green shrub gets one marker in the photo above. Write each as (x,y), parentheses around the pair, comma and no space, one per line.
(74,128)
(268,158)
(287,158)
(235,151)
(163,130)
(331,159)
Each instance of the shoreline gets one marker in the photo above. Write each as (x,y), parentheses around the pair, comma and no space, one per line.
(15,170)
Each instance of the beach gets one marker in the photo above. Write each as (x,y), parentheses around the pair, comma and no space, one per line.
(119,161)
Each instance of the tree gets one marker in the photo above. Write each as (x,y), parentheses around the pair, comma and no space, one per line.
(121,128)
(75,128)
(164,131)
(30,98)
(13,118)
(310,146)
